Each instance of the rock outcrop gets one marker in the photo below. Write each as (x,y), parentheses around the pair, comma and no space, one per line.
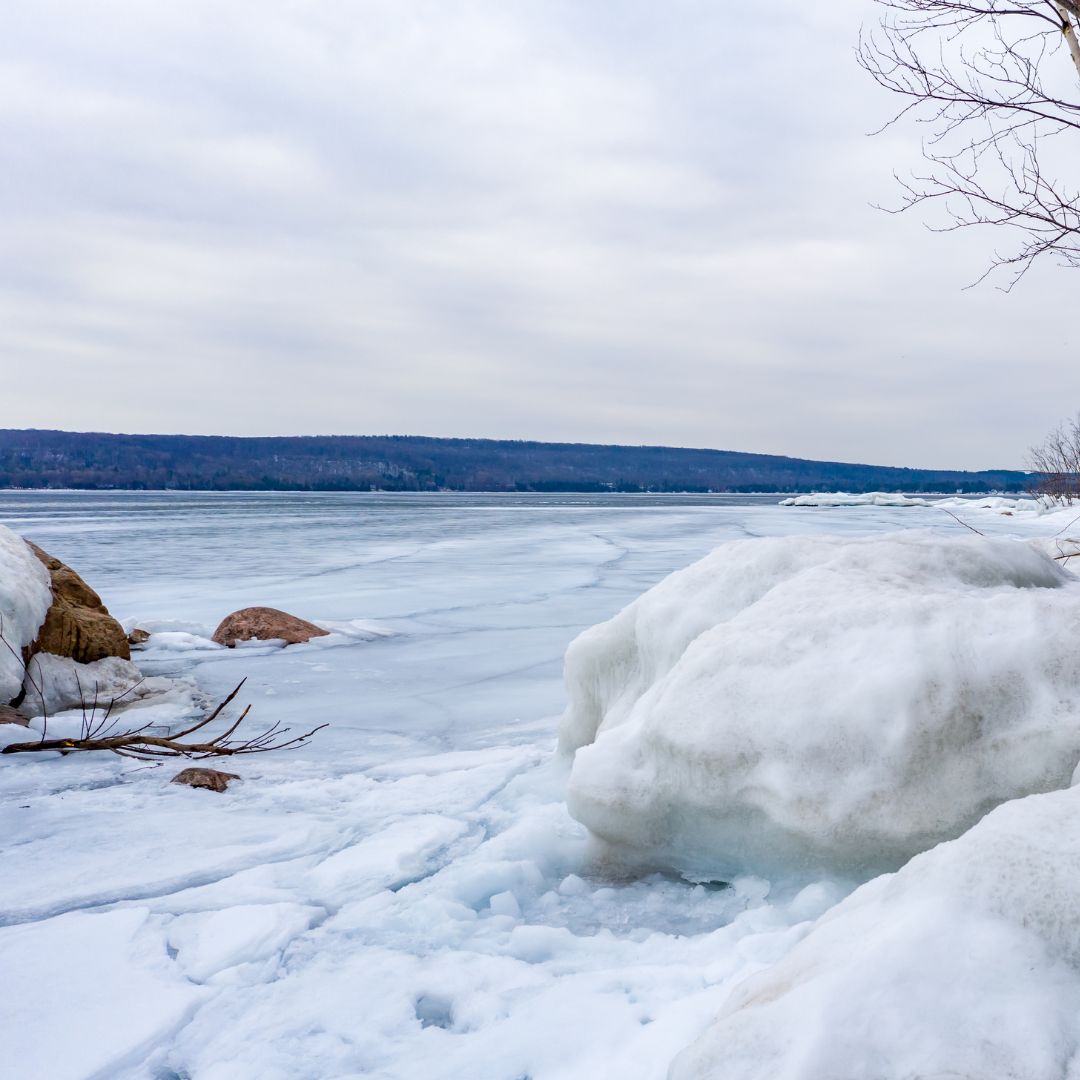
(266,624)
(77,625)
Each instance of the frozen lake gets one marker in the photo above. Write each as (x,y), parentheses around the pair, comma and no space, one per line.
(405,896)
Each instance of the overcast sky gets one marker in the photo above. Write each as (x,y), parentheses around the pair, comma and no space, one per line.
(621,221)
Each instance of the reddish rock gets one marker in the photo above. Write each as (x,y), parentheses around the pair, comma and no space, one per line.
(8,715)
(138,637)
(211,779)
(78,624)
(265,623)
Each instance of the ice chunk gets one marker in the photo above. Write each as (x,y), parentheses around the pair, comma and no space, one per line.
(399,853)
(209,942)
(965,964)
(25,596)
(505,903)
(824,703)
(55,683)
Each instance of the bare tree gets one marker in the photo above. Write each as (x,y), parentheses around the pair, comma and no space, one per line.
(993,83)
(1057,462)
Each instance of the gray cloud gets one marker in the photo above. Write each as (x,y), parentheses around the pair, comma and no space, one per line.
(622,222)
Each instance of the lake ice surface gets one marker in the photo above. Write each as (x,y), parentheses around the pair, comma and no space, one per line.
(405,896)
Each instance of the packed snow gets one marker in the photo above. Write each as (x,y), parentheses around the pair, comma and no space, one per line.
(25,596)
(965,963)
(406,896)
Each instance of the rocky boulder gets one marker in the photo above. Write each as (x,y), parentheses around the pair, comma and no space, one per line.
(77,625)
(8,715)
(266,624)
(211,779)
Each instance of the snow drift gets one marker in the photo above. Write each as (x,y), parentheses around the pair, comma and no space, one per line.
(25,597)
(966,963)
(813,704)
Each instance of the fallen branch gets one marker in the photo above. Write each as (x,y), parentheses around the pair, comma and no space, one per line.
(137,743)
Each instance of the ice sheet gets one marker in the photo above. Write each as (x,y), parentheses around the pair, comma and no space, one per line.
(406,896)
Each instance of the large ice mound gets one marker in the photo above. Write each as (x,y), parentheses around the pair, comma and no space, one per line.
(824,703)
(966,963)
(25,596)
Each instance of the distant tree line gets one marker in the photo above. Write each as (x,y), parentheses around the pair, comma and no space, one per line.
(62,459)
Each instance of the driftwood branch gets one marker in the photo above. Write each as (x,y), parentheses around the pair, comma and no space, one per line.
(137,743)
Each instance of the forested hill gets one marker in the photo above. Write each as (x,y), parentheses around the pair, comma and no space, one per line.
(62,459)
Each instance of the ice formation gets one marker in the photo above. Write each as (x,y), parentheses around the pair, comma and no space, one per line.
(55,683)
(996,503)
(25,596)
(809,704)
(965,963)
(842,498)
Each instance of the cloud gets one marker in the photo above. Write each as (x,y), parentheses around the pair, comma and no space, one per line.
(614,223)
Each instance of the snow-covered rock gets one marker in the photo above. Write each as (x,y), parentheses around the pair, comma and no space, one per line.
(24,601)
(823,703)
(965,963)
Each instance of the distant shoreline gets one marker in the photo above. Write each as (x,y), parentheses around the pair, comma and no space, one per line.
(87,461)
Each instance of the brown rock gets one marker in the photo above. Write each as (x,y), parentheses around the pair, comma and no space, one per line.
(138,637)
(78,624)
(211,779)
(265,623)
(8,715)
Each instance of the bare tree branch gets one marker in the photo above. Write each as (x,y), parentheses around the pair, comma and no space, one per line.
(983,77)
(137,743)
(1057,462)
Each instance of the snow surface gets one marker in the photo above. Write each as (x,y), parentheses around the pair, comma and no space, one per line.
(965,963)
(827,703)
(406,896)
(25,596)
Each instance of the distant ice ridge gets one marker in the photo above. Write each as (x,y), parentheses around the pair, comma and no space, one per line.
(966,963)
(810,704)
(25,596)
(996,503)
(841,498)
